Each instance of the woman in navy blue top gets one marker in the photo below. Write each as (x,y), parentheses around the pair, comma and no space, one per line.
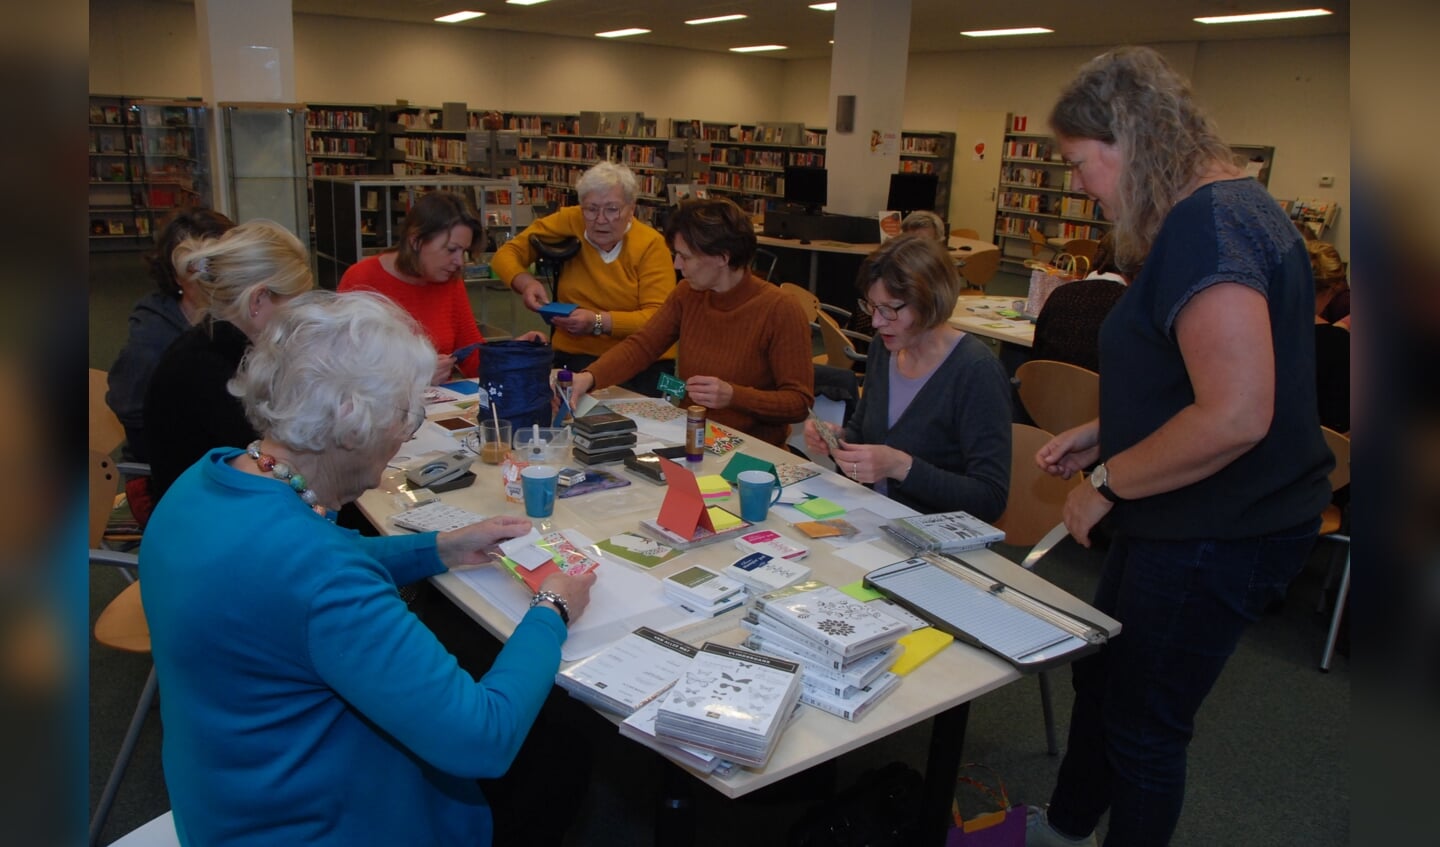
(1211,467)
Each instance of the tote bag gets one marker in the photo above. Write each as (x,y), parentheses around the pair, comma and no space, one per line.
(1045,278)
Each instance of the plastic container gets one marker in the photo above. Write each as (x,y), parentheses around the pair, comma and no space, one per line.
(543,445)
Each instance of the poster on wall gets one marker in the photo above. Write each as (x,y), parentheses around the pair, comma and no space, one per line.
(979,149)
(884,143)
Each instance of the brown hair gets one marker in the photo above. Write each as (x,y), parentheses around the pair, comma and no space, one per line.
(714,228)
(1131,98)
(185,223)
(916,269)
(436,213)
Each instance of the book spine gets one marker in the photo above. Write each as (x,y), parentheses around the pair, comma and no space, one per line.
(810,697)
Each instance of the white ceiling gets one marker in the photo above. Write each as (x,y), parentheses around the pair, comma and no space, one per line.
(935,25)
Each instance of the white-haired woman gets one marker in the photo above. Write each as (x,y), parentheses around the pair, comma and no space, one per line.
(1211,466)
(618,280)
(243,277)
(303,702)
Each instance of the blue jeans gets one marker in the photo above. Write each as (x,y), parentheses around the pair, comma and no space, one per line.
(1183,606)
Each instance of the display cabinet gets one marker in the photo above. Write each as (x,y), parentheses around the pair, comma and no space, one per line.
(265,155)
(359,216)
(148,158)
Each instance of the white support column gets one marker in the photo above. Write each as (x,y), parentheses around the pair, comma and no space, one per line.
(872,48)
(247,55)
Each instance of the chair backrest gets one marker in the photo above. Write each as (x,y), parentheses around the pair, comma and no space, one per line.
(1038,242)
(1339,444)
(836,343)
(1082,247)
(764,264)
(1037,500)
(965,233)
(1058,395)
(980,268)
(106,433)
(802,295)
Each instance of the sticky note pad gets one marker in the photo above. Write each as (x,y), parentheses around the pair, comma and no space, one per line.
(713,486)
(721,519)
(819,508)
(861,592)
(920,645)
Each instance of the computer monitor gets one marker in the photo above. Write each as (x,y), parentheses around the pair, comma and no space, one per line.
(805,186)
(912,192)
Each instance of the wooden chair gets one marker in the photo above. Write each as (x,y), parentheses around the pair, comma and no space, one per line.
(965,233)
(1331,522)
(1082,247)
(802,295)
(978,270)
(1034,518)
(1038,242)
(1057,395)
(840,350)
(121,624)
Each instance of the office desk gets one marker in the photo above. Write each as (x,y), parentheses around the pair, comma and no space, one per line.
(960,249)
(942,688)
(977,315)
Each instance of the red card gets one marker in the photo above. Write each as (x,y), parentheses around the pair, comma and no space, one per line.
(684,508)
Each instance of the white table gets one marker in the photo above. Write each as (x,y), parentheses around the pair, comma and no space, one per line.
(942,688)
(980,316)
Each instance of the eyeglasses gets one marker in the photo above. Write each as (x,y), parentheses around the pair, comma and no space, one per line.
(889,313)
(609,213)
(414,419)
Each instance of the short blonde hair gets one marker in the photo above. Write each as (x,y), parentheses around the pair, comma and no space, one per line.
(1326,265)
(256,254)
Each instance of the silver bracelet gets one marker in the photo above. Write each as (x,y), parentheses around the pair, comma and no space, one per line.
(552,597)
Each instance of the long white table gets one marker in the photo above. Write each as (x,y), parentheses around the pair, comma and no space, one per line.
(942,688)
(980,315)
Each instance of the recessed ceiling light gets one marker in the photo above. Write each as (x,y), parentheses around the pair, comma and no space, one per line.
(621,33)
(457,17)
(525,2)
(716,20)
(824,7)
(1021,30)
(758,48)
(1265,16)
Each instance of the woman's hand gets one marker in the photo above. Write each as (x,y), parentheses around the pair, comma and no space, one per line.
(1083,509)
(1071,451)
(578,322)
(580,385)
(531,290)
(710,391)
(870,463)
(814,440)
(574,589)
(475,544)
(444,366)
(533,335)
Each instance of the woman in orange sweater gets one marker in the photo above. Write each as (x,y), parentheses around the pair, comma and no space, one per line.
(744,345)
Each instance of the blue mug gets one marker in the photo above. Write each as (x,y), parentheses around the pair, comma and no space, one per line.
(758,492)
(538,483)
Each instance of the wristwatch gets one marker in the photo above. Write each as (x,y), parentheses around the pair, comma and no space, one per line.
(599,324)
(552,597)
(1100,478)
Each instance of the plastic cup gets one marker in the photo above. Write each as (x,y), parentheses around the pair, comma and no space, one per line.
(538,484)
(494,441)
(758,492)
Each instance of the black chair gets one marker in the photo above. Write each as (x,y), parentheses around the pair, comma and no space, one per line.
(551,256)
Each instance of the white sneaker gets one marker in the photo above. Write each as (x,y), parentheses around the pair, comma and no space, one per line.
(1039,832)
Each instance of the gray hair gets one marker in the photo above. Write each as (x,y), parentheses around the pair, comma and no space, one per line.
(229,270)
(607,175)
(335,371)
(925,219)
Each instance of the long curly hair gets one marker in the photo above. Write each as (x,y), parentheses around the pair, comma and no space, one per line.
(1132,98)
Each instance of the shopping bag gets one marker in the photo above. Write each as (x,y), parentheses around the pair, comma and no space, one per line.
(992,821)
(516,377)
(1045,278)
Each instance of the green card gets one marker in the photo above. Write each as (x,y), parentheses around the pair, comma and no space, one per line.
(819,508)
(671,385)
(745,462)
(861,592)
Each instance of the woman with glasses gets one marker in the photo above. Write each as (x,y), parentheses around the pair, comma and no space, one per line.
(617,281)
(744,344)
(424,275)
(932,430)
(304,703)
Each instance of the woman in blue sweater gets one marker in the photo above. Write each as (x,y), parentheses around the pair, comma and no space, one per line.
(303,702)
(932,430)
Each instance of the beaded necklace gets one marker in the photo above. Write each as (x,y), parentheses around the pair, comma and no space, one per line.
(281,471)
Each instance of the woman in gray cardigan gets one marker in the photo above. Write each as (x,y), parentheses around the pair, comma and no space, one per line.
(932,429)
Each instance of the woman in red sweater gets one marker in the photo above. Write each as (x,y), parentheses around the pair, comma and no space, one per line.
(423,276)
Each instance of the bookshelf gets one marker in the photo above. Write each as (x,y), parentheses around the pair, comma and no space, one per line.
(1034,193)
(358,216)
(746,162)
(930,153)
(147,158)
(340,139)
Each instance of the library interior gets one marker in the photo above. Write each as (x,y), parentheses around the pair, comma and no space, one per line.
(827,125)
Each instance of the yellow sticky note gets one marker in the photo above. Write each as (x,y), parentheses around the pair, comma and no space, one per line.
(819,508)
(721,519)
(920,645)
(713,486)
(861,592)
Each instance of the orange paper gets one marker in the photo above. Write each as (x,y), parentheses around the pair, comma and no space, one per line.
(683,509)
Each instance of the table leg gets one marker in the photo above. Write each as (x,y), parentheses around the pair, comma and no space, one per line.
(947,739)
(814,270)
